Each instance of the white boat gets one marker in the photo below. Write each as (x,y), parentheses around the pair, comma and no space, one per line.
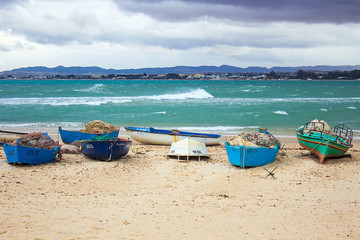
(166,137)
(188,148)
(9,136)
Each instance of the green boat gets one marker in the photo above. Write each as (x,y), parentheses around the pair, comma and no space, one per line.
(317,137)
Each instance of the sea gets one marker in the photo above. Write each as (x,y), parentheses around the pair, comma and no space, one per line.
(227,107)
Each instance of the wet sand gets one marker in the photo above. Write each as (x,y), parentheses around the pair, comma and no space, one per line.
(145,196)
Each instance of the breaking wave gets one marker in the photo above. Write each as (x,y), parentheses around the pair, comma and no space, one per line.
(195,94)
(96,101)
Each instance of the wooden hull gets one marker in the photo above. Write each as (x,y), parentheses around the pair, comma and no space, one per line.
(29,155)
(73,136)
(321,147)
(105,150)
(166,137)
(248,156)
(9,136)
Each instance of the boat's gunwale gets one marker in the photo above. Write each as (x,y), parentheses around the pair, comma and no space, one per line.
(12,132)
(107,140)
(169,132)
(255,147)
(78,131)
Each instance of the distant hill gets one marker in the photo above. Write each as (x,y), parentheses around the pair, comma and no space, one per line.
(61,70)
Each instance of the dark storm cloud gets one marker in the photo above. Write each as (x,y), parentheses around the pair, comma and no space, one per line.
(307,11)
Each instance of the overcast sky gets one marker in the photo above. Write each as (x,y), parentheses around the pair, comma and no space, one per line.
(125,34)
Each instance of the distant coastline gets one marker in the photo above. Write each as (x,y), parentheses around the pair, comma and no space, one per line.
(300,75)
(223,72)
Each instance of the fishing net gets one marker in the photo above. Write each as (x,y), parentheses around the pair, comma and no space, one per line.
(318,126)
(254,139)
(37,140)
(98,126)
(103,138)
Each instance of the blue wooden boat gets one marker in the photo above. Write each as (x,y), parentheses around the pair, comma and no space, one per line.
(167,137)
(105,150)
(251,156)
(29,155)
(72,136)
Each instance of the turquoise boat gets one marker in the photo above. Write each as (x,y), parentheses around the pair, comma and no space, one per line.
(252,156)
(324,142)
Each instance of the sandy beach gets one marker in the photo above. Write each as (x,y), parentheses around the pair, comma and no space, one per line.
(146,196)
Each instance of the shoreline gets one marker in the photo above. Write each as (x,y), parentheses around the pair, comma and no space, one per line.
(122,133)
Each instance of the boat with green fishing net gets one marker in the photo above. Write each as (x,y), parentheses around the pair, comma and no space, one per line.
(317,137)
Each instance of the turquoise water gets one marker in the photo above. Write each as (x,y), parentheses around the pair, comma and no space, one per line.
(211,106)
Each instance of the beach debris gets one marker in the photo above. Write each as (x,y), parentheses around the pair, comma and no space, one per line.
(223,196)
(36,140)
(70,149)
(98,126)
(187,148)
(270,173)
(254,139)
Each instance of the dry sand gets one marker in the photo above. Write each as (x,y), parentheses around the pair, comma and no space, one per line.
(146,196)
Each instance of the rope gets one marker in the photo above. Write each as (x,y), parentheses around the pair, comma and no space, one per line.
(111,148)
(244,157)
(300,155)
(141,136)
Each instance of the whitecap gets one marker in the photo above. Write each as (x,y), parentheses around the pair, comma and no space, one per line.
(163,112)
(194,94)
(281,112)
(96,88)
(323,109)
(352,107)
